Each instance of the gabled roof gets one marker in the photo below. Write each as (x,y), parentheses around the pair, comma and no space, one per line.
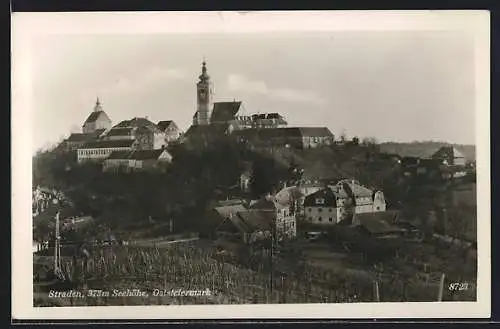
(85,137)
(107,144)
(120,132)
(448,152)
(224,111)
(210,131)
(229,211)
(327,196)
(378,222)
(315,132)
(288,132)
(263,204)
(257,220)
(136,155)
(136,122)
(94,116)
(165,124)
(356,189)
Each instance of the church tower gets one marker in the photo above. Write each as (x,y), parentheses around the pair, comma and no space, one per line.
(203,97)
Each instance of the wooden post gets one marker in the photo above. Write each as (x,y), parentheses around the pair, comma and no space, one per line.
(376,291)
(441,288)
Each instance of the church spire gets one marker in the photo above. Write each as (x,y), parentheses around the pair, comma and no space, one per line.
(204,75)
(97,106)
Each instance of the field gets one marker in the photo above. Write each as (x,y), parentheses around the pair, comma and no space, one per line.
(195,266)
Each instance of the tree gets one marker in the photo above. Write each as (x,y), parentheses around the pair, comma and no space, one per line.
(355,140)
(369,141)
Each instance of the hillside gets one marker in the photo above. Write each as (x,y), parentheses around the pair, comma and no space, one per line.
(425,149)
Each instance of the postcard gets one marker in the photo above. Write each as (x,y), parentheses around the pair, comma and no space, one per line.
(250,165)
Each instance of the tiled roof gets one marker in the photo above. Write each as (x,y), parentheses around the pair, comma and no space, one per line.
(230,210)
(224,111)
(94,116)
(288,132)
(108,144)
(257,220)
(215,130)
(79,137)
(360,191)
(136,122)
(136,155)
(120,132)
(327,195)
(315,132)
(164,124)
(264,204)
(378,222)
(448,152)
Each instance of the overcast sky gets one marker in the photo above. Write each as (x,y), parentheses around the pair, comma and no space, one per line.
(391,85)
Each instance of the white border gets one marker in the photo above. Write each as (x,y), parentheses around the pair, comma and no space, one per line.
(27,25)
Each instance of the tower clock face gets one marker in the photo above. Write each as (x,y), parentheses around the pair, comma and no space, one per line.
(203,94)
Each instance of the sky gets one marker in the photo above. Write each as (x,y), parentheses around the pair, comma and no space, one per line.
(391,85)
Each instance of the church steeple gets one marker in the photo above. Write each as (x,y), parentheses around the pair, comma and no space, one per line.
(97,106)
(204,77)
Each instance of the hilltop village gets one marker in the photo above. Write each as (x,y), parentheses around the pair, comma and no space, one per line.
(240,180)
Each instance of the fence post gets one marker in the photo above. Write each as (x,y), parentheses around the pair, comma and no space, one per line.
(376,291)
(441,288)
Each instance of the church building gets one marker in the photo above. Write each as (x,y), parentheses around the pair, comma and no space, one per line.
(204,93)
(97,120)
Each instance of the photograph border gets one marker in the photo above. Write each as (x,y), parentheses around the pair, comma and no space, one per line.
(26,26)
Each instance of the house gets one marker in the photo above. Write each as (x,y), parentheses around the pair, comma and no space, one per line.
(137,160)
(327,206)
(283,214)
(76,140)
(296,137)
(297,194)
(170,130)
(450,156)
(337,203)
(147,133)
(98,119)
(365,199)
(378,225)
(264,120)
(100,150)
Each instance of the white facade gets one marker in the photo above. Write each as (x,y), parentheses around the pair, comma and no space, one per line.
(379,202)
(324,215)
(97,154)
(159,140)
(286,223)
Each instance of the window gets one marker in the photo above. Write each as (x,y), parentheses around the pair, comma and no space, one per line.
(320,201)
(310,209)
(331,219)
(320,209)
(330,209)
(319,219)
(378,208)
(310,218)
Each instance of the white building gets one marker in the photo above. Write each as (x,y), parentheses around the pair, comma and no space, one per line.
(336,203)
(100,150)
